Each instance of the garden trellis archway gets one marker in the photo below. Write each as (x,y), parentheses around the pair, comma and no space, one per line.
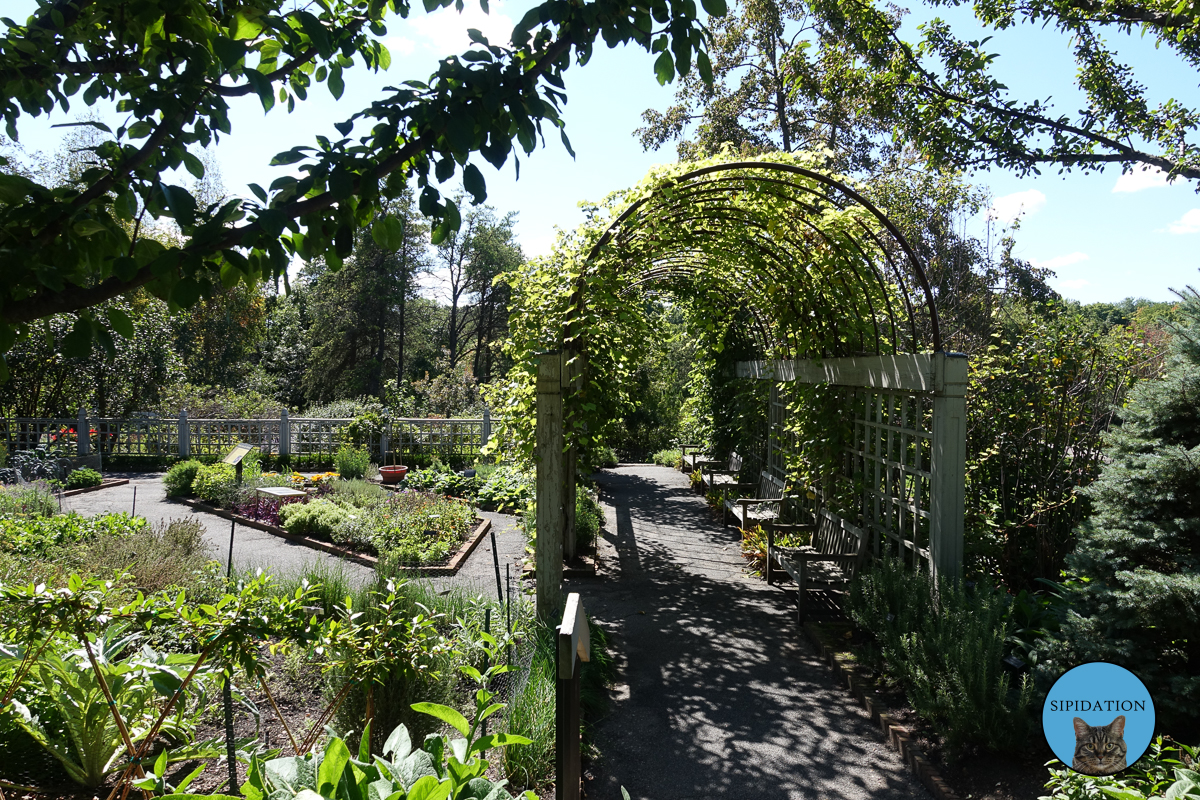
(831,299)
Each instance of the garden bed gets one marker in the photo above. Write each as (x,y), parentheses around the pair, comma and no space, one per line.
(450,567)
(107,484)
(980,776)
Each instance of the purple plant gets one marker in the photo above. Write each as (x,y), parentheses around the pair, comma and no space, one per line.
(264,509)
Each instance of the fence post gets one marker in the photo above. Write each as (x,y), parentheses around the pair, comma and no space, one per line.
(285,434)
(384,441)
(574,646)
(549,549)
(570,463)
(947,483)
(185,435)
(486,433)
(82,440)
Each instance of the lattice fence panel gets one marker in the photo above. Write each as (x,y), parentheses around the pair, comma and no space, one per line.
(448,439)
(891,460)
(216,437)
(135,437)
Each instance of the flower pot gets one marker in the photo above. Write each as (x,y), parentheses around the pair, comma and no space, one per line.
(392,474)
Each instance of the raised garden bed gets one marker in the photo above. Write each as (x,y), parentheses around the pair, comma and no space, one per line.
(107,484)
(982,776)
(450,567)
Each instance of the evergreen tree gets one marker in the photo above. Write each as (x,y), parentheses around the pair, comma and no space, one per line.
(1138,556)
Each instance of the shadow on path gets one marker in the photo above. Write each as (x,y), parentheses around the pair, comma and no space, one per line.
(719,694)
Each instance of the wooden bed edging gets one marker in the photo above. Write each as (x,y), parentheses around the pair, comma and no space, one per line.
(107,483)
(456,561)
(896,734)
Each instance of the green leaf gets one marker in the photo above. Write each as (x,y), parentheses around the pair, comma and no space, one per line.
(485,743)
(473,182)
(715,8)
(664,68)
(336,85)
(445,714)
(364,744)
(333,764)
(78,343)
(194,165)
(120,321)
(186,293)
(428,788)
(398,744)
(139,130)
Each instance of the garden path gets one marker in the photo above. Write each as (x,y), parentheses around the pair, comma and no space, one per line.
(718,693)
(253,548)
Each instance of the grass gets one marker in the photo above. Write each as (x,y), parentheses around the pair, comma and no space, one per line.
(530,712)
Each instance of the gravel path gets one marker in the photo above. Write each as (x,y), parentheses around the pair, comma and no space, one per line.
(254,548)
(719,694)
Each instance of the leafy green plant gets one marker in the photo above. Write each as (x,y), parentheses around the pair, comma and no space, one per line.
(352,462)
(670,457)
(35,536)
(948,655)
(78,686)
(317,517)
(589,517)
(215,483)
(507,488)
(84,477)
(1166,770)
(358,493)
(31,499)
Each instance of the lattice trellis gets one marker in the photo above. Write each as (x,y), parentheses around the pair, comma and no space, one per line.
(905,457)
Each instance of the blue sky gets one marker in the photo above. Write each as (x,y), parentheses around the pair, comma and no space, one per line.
(1106,236)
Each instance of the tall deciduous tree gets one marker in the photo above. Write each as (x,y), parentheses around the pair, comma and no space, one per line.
(172,67)
(494,252)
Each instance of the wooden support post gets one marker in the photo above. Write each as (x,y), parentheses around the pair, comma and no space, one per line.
(571,373)
(574,647)
(549,556)
(285,434)
(185,435)
(947,482)
(83,442)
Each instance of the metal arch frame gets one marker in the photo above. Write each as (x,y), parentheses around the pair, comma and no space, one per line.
(915,270)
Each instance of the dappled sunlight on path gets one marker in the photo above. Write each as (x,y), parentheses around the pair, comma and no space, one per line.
(718,694)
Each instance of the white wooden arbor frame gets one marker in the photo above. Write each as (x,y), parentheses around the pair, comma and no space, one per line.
(909,446)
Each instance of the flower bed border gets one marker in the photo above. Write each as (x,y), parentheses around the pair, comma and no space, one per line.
(898,736)
(105,484)
(482,526)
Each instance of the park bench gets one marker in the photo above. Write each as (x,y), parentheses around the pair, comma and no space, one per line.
(830,562)
(768,504)
(690,460)
(716,479)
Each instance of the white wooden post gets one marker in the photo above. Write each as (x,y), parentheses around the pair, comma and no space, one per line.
(947,484)
(285,434)
(82,439)
(574,647)
(570,376)
(486,434)
(185,435)
(549,454)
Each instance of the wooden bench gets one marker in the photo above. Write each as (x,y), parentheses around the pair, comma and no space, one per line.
(691,459)
(767,504)
(716,479)
(830,562)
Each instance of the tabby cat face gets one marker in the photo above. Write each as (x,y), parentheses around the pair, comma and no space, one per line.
(1099,750)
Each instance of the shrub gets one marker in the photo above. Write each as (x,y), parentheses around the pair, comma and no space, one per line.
(589,517)
(168,555)
(215,483)
(39,464)
(415,528)
(671,457)
(352,462)
(602,457)
(318,517)
(31,499)
(507,488)
(947,655)
(83,478)
(358,493)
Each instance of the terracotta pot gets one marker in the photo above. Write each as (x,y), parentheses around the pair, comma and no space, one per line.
(393,474)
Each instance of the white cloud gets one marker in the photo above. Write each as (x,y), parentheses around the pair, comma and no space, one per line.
(1008,208)
(1058,262)
(1143,176)
(400,44)
(1075,284)
(445,30)
(1188,223)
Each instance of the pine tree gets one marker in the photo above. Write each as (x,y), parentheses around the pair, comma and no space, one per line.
(1137,602)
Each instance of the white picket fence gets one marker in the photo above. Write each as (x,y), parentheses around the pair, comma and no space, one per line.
(305,438)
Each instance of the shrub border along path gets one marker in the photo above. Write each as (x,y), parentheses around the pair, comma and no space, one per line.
(457,560)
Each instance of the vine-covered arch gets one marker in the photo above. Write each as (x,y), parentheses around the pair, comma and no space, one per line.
(791,265)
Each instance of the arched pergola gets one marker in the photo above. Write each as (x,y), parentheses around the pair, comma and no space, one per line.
(832,293)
